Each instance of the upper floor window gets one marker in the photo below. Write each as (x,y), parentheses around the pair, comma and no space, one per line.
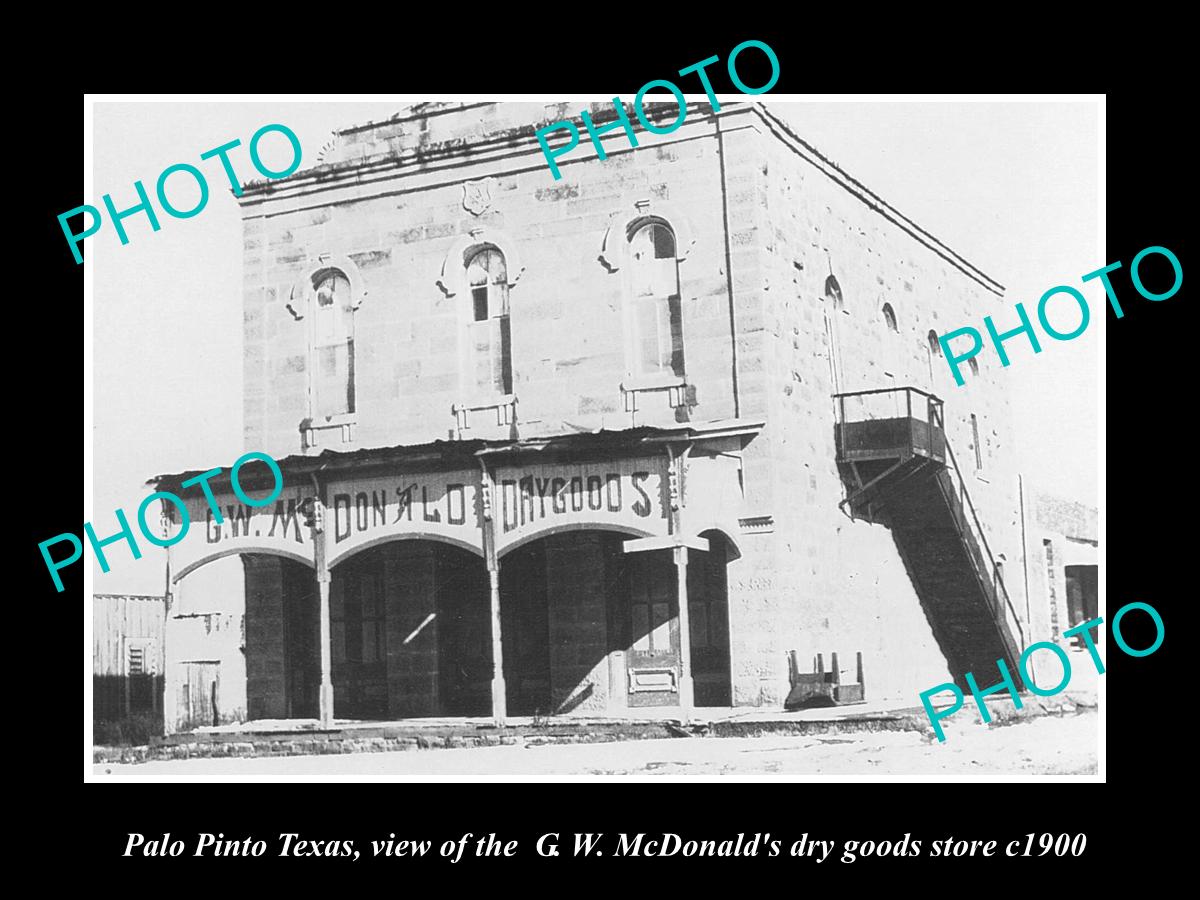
(489,332)
(332,381)
(657,314)
(889,317)
(833,293)
(933,350)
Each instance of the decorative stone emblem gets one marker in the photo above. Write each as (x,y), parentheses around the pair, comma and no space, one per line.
(477,196)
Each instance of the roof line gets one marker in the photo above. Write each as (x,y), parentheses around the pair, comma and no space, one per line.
(873,200)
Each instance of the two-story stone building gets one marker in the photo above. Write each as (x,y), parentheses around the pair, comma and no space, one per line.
(597,444)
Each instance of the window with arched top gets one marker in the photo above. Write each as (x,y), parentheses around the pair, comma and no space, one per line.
(889,317)
(657,314)
(490,337)
(933,350)
(332,372)
(833,293)
(974,366)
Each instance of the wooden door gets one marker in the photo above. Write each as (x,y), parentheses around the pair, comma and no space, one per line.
(200,692)
(708,614)
(652,660)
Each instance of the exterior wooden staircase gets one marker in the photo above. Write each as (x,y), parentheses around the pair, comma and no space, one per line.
(900,471)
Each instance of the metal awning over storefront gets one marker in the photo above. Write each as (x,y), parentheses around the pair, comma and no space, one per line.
(658,487)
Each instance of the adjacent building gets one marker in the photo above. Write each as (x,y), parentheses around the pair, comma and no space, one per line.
(127,660)
(655,435)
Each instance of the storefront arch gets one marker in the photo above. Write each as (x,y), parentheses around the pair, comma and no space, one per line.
(282,637)
(410,630)
(731,546)
(469,547)
(561,599)
(588,626)
(293,556)
(607,527)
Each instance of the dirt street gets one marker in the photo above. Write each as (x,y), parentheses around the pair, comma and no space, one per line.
(1049,745)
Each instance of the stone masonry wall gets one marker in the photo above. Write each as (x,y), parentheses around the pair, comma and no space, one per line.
(833,584)
(567,319)
(818,582)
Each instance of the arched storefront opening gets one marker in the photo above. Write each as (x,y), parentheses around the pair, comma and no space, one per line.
(589,627)
(561,602)
(411,632)
(282,638)
(708,615)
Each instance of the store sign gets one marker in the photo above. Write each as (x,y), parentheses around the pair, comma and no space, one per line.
(626,493)
(434,504)
(529,501)
(277,527)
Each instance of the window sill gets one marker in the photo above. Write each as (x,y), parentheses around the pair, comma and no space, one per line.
(504,405)
(653,383)
(333,431)
(330,421)
(485,403)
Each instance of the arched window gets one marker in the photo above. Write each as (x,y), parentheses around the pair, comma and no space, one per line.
(974,366)
(490,338)
(657,316)
(833,293)
(889,317)
(933,350)
(332,379)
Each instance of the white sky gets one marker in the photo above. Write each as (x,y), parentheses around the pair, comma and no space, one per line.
(1010,186)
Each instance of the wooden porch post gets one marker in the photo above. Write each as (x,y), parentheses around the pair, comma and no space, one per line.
(499,690)
(686,693)
(499,696)
(325,695)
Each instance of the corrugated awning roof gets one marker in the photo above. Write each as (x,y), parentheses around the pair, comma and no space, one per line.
(443,453)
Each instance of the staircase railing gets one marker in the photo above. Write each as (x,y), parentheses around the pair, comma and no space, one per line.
(997,588)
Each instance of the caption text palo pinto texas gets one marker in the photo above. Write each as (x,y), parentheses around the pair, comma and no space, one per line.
(660,441)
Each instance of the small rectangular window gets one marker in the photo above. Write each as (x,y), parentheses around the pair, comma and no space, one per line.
(479,296)
(137,660)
